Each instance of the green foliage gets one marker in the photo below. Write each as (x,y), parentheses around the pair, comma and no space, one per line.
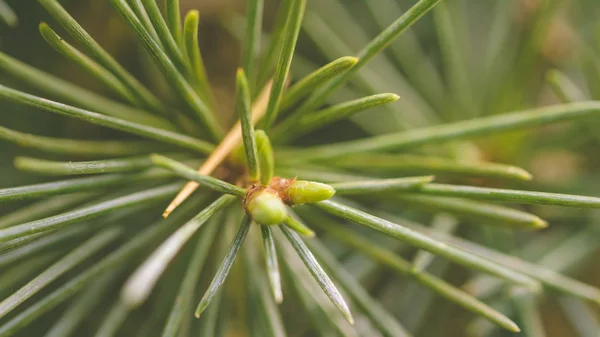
(330,134)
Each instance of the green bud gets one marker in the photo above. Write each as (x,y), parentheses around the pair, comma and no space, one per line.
(266,208)
(302,192)
(266,162)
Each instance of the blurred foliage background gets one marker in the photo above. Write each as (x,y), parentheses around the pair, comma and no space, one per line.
(467,59)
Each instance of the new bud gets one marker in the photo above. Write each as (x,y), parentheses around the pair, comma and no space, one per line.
(303,191)
(266,207)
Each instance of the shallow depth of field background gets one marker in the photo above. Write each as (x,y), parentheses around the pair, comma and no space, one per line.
(563,158)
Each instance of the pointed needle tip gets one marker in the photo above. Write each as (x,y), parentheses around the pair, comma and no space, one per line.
(540,224)
(279,298)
